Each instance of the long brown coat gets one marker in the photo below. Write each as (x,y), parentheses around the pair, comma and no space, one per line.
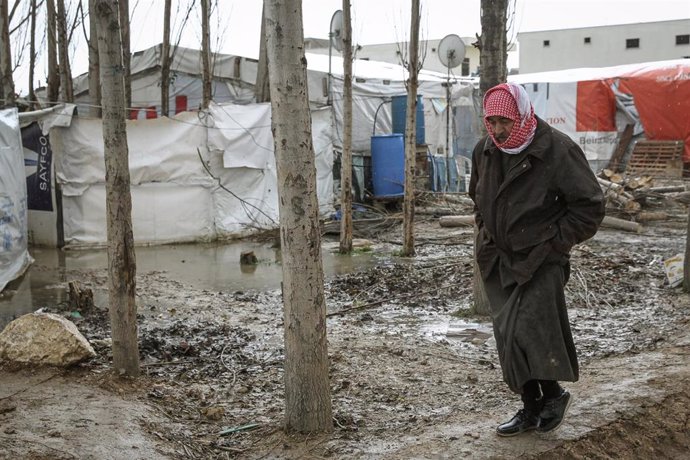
(547,203)
(529,218)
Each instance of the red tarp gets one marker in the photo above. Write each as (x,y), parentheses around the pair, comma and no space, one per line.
(662,98)
(596,106)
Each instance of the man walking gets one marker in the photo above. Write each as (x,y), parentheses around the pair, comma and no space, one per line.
(535,197)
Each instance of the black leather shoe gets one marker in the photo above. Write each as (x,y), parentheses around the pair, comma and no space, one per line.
(521,422)
(552,415)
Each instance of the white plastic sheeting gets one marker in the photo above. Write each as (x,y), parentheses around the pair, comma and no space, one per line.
(247,197)
(194,177)
(14,253)
(234,78)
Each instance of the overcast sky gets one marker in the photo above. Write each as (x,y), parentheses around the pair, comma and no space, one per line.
(237,23)
(384,21)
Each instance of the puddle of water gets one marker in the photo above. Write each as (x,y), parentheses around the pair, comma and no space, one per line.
(459,330)
(213,267)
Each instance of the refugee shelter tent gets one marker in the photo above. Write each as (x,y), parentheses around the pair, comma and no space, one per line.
(232,81)
(197,176)
(593,105)
(374,84)
(14,253)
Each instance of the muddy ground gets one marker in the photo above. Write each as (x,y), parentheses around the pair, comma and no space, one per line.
(414,374)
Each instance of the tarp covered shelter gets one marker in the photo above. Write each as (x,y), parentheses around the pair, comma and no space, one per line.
(592,105)
(206,174)
(14,253)
(197,176)
(374,84)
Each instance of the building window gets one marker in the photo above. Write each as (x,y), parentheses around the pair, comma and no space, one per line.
(465,70)
(547,43)
(632,43)
(588,40)
(683,39)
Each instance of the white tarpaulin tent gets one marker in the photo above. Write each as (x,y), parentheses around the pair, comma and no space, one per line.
(195,177)
(202,175)
(14,254)
(374,84)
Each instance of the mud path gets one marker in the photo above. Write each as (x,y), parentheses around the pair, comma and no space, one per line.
(413,373)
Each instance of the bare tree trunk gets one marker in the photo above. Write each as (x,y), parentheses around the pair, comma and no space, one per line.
(686,261)
(121,256)
(307,389)
(94,64)
(67,92)
(7,98)
(261,88)
(53,82)
(408,249)
(493,55)
(205,54)
(165,61)
(32,57)
(123,11)
(346,163)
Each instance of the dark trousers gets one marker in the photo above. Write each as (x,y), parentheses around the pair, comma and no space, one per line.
(535,392)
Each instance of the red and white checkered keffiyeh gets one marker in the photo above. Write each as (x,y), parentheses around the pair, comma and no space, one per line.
(509,100)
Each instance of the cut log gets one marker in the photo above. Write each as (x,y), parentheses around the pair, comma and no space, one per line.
(80,298)
(618,188)
(651,216)
(456,221)
(435,211)
(668,189)
(617,194)
(639,182)
(621,224)
(683,197)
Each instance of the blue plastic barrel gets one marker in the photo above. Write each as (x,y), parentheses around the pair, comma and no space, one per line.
(399,110)
(388,165)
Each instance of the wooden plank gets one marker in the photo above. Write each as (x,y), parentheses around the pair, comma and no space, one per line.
(657,158)
(623,143)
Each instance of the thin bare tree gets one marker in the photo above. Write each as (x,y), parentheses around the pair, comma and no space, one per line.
(413,67)
(493,42)
(205,53)
(94,64)
(346,162)
(32,55)
(165,60)
(67,92)
(686,261)
(262,92)
(121,256)
(53,82)
(493,57)
(123,11)
(7,99)
(307,389)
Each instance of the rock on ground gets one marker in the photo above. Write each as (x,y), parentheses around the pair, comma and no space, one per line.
(44,338)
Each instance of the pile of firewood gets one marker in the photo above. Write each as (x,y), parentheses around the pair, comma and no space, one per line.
(631,196)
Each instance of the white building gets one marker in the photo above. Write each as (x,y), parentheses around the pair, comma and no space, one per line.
(604,45)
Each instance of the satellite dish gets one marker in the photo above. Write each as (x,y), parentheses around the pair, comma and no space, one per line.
(336,32)
(451,51)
